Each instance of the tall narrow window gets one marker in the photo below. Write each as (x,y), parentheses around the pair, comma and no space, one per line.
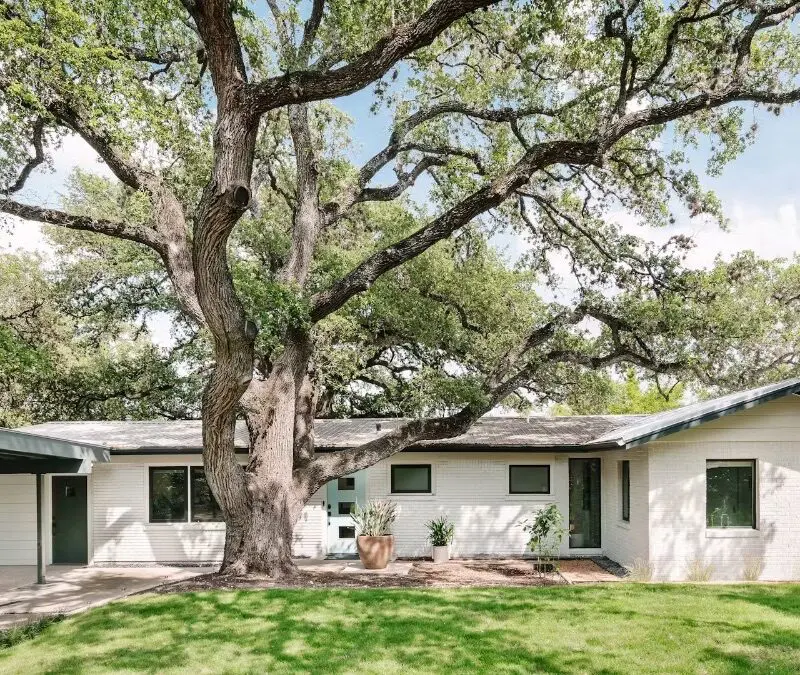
(168,503)
(625,482)
(731,493)
(204,507)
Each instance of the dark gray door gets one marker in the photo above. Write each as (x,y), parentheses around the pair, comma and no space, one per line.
(584,503)
(70,533)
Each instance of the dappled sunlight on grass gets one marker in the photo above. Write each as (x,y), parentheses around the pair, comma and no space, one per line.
(601,629)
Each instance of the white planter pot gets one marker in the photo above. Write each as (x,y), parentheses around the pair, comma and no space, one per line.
(441,554)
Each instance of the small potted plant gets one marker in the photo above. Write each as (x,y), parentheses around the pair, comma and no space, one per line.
(375,542)
(440,534)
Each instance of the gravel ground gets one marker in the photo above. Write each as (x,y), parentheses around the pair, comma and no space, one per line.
(423,574)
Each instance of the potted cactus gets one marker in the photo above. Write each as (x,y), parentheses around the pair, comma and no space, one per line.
(440,534)
(375,542)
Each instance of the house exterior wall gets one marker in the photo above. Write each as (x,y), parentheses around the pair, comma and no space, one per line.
(17,519)
(472,488)
(121,532)
(770,434)
(625,542)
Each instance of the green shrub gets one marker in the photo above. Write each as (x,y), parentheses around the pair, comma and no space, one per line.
(546,531)
(440,531)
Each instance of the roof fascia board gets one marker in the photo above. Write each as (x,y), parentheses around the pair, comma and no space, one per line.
(44,446)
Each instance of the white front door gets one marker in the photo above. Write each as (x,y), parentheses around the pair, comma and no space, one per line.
(343,494)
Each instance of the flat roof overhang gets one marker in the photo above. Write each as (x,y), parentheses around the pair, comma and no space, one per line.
(22,452)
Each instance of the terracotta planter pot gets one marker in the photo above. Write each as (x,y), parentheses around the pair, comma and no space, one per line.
(375,552)
(441,554)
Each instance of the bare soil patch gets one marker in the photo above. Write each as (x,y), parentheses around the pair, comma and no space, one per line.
(423,574)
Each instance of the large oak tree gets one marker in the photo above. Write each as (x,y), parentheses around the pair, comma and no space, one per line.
(523,116)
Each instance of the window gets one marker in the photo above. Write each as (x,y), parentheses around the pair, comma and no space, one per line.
(181,493)
(347,532)
(204,507)
(411,478)
(168,503)
(731,494)
(347,483)
(625,482)
(529,479)
(346,508)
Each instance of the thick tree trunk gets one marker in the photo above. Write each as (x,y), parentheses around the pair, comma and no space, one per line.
(259,541)
(261,517)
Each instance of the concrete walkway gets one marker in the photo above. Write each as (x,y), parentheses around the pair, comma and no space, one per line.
(70,589)
(394,568)
(584,571)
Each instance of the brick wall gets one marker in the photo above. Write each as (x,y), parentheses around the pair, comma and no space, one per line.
(770,434)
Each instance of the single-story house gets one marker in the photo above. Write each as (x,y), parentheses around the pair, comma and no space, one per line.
(715,483)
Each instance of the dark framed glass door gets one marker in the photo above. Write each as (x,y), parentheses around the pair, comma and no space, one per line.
(584,503)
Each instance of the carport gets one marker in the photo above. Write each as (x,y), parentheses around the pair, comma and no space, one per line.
(26,453)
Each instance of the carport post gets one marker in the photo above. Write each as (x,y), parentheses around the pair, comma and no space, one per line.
(39,516)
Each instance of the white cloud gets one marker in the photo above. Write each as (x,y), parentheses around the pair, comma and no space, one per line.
(771,231)
(17,234)
(45,188)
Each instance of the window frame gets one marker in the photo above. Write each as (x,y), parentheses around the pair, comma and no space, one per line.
(188,521)
(167,467)
(403,465)
(190,487)
(721,463)
(625,490)
(538,466)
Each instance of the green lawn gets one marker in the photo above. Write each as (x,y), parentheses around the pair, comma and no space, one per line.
(624,628)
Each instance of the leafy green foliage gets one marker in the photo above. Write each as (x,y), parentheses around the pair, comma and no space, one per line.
(440,531)
(10,637)
(427,336)
(55,363)
(546,531)
(602,394)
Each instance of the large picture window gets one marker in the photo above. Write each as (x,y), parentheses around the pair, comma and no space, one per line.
(411,478)
(731,494)
(168,494)
(625,482)
(529,479)
(181,493)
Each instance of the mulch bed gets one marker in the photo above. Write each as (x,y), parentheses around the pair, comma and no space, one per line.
(423,574)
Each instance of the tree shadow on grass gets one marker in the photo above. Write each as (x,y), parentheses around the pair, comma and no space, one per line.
(565,630)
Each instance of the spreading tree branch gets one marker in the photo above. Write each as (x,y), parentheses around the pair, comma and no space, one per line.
(308,85)
(139,234)
(37,159)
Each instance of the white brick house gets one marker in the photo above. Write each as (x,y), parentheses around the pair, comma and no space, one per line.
(714,484)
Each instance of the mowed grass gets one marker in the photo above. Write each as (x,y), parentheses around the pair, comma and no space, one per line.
(621,628)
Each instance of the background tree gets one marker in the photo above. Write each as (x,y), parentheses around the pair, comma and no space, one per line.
(603,394)
(61,359)
(525,117)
